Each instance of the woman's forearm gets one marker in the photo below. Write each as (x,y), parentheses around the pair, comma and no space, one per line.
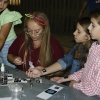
(51,69)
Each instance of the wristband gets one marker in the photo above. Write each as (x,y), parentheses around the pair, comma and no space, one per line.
(65,77)
(43,70)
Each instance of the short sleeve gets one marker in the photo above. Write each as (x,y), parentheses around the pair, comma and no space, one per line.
(12,16)
(62,63)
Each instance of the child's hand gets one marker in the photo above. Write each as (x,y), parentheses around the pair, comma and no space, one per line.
(57,79)
(18,61)
(71,83)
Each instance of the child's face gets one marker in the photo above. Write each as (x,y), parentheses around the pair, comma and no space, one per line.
(94,29)
(34,30)
(80,35)
(3,4)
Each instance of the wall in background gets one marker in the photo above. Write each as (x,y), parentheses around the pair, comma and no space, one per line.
(62,14)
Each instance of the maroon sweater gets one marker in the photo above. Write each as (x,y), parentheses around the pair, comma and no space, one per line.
(57,51)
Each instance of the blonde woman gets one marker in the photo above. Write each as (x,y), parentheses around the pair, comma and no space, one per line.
(35,46)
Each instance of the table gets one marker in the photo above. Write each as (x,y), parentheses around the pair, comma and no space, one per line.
(32,92)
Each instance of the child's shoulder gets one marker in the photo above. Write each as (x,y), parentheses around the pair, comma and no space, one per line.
(10,16)
(95,47)
(94,43)
(14,13)
(9,13)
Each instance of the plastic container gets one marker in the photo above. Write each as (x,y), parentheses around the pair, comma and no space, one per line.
(16,91)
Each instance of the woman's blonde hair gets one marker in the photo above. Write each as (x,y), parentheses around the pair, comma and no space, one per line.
(45,54)
(82,51)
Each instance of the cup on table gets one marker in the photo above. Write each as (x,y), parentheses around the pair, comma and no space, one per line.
(16,91)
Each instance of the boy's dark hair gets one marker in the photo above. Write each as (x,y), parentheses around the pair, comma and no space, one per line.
(95,14)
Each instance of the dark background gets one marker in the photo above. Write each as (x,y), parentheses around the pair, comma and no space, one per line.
(62,14)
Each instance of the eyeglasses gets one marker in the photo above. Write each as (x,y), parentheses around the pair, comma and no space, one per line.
(36,32)
(40,20)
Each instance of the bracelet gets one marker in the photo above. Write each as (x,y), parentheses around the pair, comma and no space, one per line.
(43,70)
(50,75)
(65,77)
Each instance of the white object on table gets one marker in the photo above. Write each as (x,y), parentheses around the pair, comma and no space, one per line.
(2,67)
(6,98)
(49,92)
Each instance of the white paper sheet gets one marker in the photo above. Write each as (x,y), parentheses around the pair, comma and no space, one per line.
(49,92)
(6,98)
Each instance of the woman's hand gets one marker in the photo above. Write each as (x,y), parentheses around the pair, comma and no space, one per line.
(33,72)
(17,61)
(57,79)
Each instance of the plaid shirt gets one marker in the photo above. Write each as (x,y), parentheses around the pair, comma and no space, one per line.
(88,78)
